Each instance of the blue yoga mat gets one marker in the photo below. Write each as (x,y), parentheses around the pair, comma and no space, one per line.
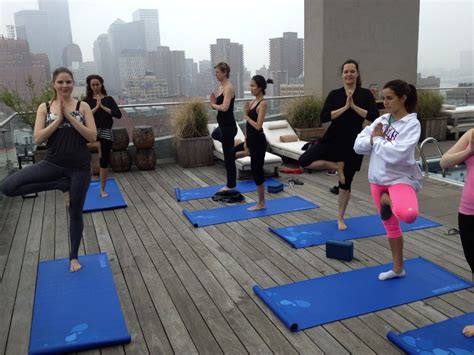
(209,191)
(440,338)
(96,203)
(76,311)
(313,302)
(307,235)
(211,216)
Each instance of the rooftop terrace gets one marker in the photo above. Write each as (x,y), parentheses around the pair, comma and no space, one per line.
(189,290)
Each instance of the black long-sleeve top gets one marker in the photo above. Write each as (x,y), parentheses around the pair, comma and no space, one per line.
(342,132)
(103,119)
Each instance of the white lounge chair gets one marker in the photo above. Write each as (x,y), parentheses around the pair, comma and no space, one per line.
(272,161)
(274,130)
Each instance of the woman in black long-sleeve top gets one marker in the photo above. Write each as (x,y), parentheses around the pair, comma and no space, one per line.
(104,109)
(346,108)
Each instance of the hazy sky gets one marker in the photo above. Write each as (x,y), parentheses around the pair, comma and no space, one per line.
(446,26)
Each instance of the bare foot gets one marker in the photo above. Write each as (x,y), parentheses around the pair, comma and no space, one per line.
(75,266)
(468,331)
(104,194)
(257,207)
(67,198)
(341,225)
(340,172)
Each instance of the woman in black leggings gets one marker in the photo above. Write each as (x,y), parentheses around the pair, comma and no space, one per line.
(346,108)
(225,133)
(104,109)
(255,138)
(66,125)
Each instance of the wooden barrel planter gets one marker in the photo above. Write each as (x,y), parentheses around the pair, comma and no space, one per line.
(192,152)
(143,137)
(145,159)
(120,160)
(121,139)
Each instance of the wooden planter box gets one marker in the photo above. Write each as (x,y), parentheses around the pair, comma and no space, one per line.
(434,127)
(307,134)
(192,152)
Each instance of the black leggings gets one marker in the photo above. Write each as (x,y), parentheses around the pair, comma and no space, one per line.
(257,145)
(44,176)
(323,151)
(105,148)
(226,135)
(466,231)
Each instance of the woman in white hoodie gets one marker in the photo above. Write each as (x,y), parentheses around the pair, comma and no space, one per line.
(394,174)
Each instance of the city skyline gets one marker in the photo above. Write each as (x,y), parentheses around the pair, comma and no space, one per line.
(438,48)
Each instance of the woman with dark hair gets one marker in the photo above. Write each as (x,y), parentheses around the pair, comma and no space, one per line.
(254,115)
(104,109)
(463,151)
(227,129)
(394,174)
(346,108)
(66,125)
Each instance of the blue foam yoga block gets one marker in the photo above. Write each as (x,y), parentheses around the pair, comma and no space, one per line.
(338,249)
(275,188)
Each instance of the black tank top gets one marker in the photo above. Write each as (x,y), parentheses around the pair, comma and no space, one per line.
(225,119)
(66,147)
(250,130)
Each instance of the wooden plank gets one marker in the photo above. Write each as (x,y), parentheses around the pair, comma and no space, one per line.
(12,272)
(151,326)
(8,232)
(18,340)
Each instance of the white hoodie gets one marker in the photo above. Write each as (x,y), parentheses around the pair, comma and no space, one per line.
(392,157)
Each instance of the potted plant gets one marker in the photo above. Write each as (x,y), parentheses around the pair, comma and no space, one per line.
(26,106)
(433,123)
(193,143)
(304,116)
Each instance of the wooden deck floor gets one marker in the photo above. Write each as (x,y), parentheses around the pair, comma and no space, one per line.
(189,290)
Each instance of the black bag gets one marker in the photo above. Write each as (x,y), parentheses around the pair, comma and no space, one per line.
(231,196)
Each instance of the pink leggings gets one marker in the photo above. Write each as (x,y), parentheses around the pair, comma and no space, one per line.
(404,206)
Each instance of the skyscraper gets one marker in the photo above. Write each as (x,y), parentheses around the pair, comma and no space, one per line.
(152,27)
(159,62)
(59,28)
(10,31)
(286,59)
(47,30)
(178,73)
(124,36)
(233,54)
(71,53)
(31,26)
(103,59)
(17,64)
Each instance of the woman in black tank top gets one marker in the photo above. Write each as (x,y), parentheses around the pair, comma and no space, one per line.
(225,133)
(66,125)
(255,138)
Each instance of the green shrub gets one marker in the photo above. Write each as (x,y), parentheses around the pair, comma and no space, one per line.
(26,107)
(305,112)
(429,105)
(190,120)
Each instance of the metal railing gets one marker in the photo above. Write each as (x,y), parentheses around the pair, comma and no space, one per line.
(16,138)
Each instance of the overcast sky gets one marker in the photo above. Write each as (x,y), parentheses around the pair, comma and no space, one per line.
(446,26)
